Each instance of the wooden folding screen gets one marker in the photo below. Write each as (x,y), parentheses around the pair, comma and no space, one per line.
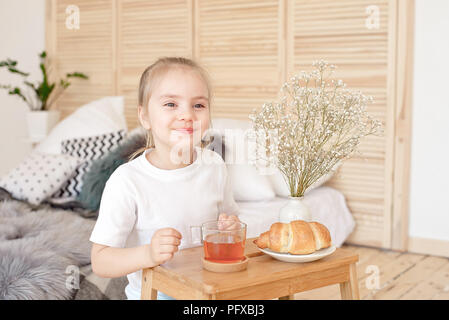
(250,48)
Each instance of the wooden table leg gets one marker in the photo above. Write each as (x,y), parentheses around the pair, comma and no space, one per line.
(290,297)
(349,290)
(354,281)
(148,293)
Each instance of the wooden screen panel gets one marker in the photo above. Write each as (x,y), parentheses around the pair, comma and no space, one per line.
(249,48)
(148,30)
(337,31)
(241,45)
(89,49)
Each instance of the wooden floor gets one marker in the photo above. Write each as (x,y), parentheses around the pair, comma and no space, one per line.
(400,276)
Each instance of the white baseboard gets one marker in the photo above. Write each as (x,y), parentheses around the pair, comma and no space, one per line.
(428,246)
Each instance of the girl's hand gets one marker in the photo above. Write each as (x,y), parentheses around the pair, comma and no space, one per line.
(164,244)
(226,222)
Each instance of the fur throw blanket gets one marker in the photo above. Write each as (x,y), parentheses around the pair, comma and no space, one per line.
(41,251)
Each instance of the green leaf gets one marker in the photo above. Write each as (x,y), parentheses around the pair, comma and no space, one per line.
(77,75)
(44,91)
(14,70)
(64,84)
(16,91)
(44,72)
(6,63)
(43,55)
(29,84)
(10,64)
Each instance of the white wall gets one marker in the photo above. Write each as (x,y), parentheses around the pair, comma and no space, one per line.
(429,198)
(22,36)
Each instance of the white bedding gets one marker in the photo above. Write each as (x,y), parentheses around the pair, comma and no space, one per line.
(327,206)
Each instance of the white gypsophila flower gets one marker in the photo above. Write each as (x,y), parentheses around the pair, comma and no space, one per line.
(316,125)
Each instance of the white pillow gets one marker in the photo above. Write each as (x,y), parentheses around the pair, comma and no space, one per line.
(97,117)
(39,175)
(247,183)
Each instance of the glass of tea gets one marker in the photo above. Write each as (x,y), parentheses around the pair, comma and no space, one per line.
(223,240)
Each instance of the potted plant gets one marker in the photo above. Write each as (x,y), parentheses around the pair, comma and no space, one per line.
(310,132)
(39,97)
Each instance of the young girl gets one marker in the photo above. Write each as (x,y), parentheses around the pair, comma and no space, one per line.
(150,202)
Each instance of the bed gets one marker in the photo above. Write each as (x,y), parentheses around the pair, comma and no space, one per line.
(326,204)
(45,229)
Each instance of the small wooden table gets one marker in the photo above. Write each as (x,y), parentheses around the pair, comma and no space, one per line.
(184,278)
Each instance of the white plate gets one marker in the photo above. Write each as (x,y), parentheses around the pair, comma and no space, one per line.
(287,257)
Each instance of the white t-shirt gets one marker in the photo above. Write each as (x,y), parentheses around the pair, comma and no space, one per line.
(139,199)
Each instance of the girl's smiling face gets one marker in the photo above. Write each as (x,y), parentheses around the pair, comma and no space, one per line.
(178,110)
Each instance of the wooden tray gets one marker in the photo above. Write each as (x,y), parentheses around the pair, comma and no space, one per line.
(184,276)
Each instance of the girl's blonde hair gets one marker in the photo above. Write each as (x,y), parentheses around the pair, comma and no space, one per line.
(149,79)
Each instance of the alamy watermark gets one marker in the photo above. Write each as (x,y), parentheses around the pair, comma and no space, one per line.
(72,20)
(72,282)
(372,282)
(240,147)
(373,19)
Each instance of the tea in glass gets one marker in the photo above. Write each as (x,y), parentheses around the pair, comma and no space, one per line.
(224,248)
(223,240)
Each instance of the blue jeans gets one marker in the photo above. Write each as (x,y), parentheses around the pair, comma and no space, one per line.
(163,296)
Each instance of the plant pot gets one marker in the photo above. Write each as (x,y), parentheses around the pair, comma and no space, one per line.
(295,209)
(40,123)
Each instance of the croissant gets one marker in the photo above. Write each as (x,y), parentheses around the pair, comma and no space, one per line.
(296,237)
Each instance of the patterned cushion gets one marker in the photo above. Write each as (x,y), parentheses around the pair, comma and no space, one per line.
(39,175)
(88,149)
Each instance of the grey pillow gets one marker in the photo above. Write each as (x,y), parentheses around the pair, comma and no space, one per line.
(95,178)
